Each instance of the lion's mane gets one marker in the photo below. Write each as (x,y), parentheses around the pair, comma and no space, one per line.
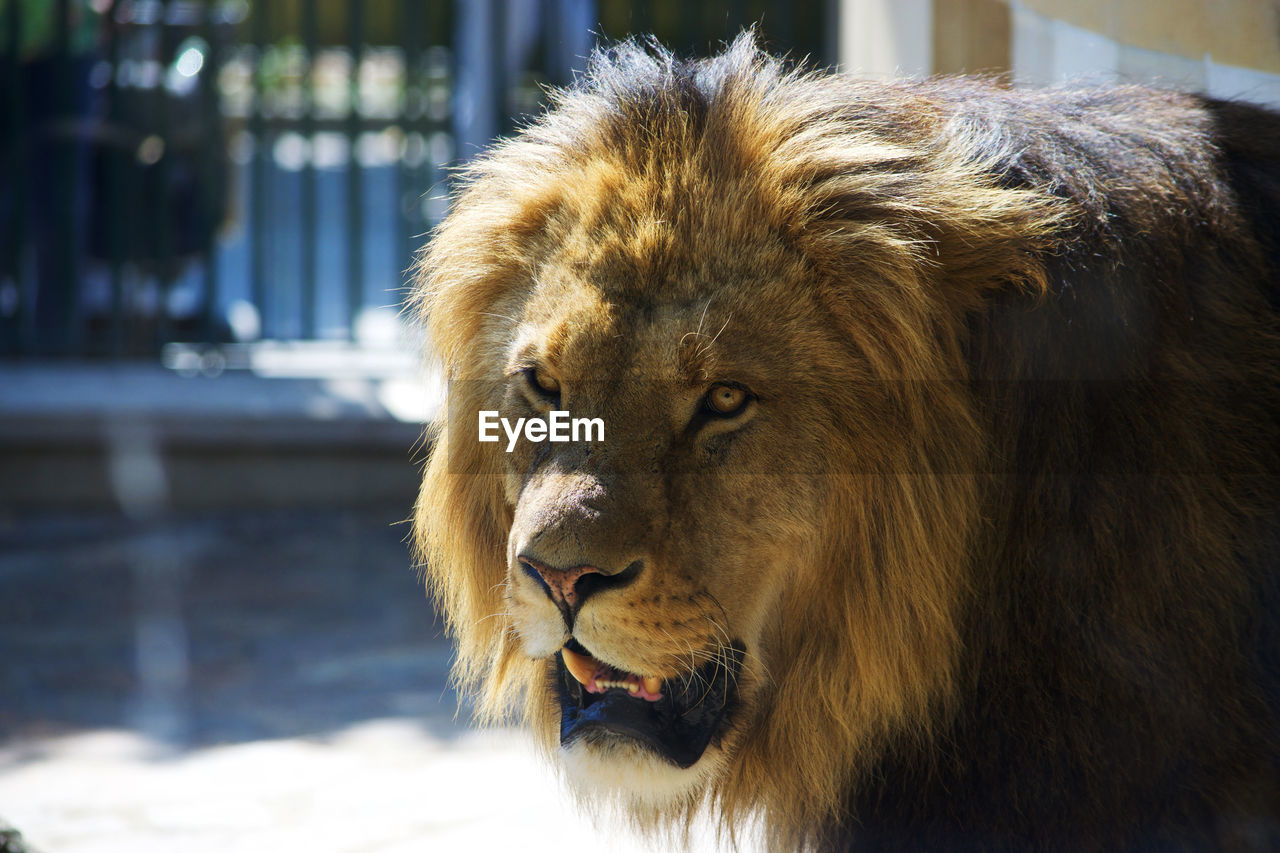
(1043,610)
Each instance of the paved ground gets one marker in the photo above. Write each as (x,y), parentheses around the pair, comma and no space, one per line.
(247,682)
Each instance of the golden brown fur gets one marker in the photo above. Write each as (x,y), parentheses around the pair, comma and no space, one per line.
(999,533)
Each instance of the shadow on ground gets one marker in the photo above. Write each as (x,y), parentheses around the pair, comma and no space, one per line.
(195,631)
(253,682)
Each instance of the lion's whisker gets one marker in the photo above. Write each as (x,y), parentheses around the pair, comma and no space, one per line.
(498,316)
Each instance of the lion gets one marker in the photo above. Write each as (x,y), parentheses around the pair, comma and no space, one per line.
(936,501)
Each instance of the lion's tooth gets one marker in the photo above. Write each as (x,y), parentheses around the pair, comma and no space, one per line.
(581,667)
(652,684)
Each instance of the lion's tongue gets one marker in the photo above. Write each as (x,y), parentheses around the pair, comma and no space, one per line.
(598,677)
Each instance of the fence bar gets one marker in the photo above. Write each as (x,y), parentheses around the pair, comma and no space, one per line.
(643,18)
(735,18)
(829,34)
(213,152)
(781,26)
(258,180)
(164,174)
(310,214)
(690,27)
(500,100)
(355,183)
(59,281)
(553,45)
(412,116)
(17,326)
(113,190)
(440,30)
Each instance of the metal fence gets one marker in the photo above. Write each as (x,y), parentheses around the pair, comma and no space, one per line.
(222,171)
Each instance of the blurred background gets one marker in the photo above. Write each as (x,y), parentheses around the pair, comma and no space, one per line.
(212,635)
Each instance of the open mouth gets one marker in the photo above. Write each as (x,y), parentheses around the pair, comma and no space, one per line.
(676,718)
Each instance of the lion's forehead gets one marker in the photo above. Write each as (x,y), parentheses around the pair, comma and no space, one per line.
(593,327)
(676,346)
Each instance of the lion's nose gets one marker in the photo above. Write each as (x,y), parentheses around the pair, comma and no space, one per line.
(570,587)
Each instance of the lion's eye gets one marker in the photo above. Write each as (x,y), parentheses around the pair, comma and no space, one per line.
(542,382)
(726,400)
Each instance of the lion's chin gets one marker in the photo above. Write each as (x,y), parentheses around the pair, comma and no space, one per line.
(622,770)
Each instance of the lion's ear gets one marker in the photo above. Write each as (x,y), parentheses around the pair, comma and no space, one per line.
(991,237)
(937,218)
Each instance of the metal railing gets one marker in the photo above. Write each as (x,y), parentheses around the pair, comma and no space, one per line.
(212,171)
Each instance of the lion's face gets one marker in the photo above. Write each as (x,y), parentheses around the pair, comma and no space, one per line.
(647,566)
(753,583)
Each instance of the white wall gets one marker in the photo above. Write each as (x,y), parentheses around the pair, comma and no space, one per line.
(886,38)
(1047,51)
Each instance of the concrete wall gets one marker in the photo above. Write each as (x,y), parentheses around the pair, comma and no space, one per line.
(1227,48)
(1238,33)
(971,36)
(886,38)
(145,441)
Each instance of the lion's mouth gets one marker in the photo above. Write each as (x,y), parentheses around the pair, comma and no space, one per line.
(676,718)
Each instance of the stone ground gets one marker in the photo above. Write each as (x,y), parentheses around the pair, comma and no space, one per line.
(249,682)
